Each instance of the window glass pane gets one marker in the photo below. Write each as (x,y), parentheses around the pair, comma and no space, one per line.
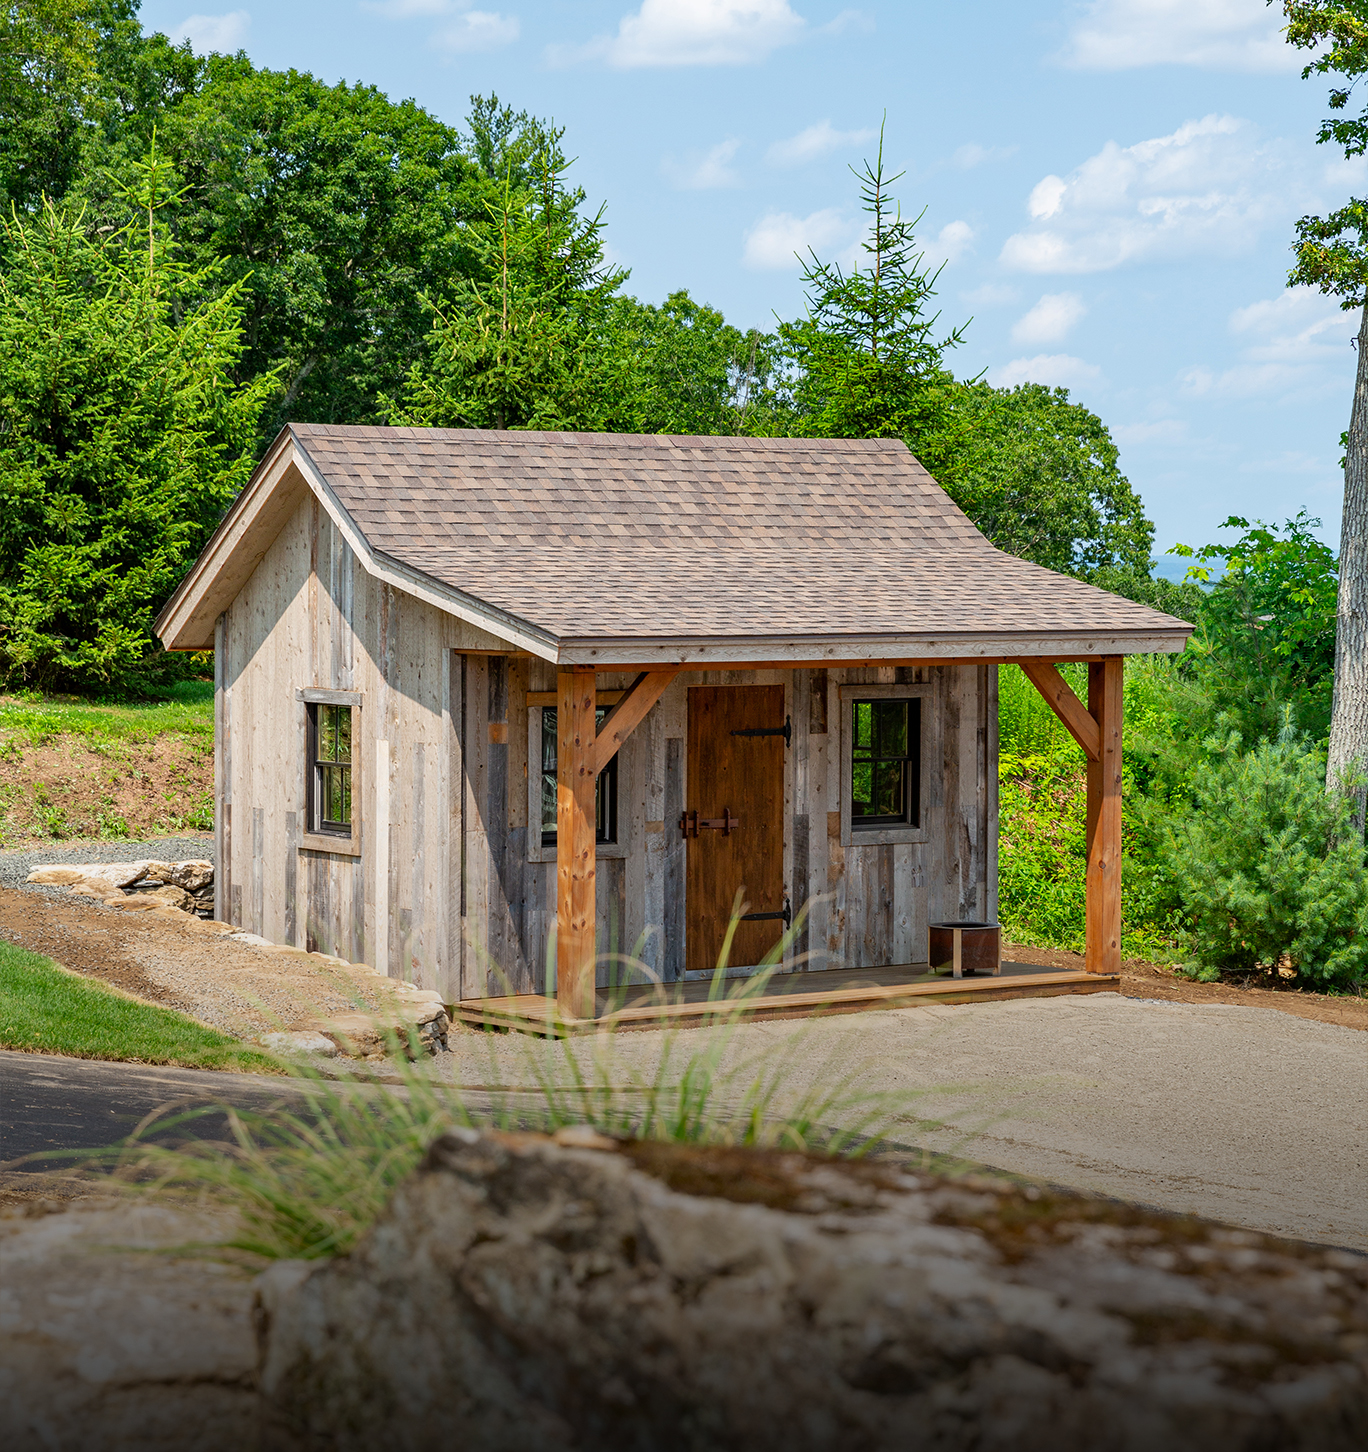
(862,776)
(343,718)
(605,805)
(549,747)
(891,736)
(888,783)
(884,762)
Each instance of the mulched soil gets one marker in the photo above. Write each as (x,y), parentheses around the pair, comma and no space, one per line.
(1151,980)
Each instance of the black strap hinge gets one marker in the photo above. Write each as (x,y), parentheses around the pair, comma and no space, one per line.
(786,731)
(787,915)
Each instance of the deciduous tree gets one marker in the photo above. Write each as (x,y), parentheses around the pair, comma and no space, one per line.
(1332,254)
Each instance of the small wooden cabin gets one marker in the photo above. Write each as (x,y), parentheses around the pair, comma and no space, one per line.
(516,713)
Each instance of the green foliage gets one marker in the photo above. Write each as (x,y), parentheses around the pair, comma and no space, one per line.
(122,437)
(685,370)
(48,72)
(1332,251)
(335,210)
(1266,864)
(184,708)
(1040,477)
(1042,808)
(523,343)
(1267,637)
(867,360)
(46,1009)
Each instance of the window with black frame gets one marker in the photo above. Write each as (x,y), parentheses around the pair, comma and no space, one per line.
(885,766)
(605,789)
(330,773)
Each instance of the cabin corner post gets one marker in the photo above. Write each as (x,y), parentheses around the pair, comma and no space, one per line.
(576,929)
(1103,926)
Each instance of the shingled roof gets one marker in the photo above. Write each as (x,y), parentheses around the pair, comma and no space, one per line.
(623,547)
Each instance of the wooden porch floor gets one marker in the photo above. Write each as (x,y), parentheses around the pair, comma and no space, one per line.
(786,995)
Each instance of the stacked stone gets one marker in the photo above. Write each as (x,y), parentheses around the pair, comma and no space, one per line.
(188,886)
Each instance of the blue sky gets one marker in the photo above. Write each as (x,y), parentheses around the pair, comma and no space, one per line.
(1113,184)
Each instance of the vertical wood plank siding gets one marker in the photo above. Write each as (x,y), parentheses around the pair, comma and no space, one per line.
(452,888)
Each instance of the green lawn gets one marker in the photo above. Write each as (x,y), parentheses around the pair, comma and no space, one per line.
(187,708)
(47,1009)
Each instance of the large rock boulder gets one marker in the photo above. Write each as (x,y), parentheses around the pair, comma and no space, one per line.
(525,1294)
(116,1334)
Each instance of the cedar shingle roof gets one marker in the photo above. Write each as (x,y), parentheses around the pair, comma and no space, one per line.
(611,538)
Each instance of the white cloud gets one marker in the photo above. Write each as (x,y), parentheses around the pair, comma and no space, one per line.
(478,30)
(1051,320)
(712,170)
(971,154)
(1160,431)
(695,33)
(991,295)
(776,240)
(206,33)
(1210,187)
(815,141)
(471,30)
(848,22)
(1057,370)
(1300,325)
(1222,35)
(1296,341)
(407,9)
(949,244)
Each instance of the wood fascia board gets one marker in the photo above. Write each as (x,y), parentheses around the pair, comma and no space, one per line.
(715,653)
(520,634)
(1060,698)
(628,714)
(234,550)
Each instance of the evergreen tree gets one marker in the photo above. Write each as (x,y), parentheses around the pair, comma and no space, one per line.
(123,437)
(867,359)
(527,340)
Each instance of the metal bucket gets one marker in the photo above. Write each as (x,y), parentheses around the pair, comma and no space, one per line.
(965,948)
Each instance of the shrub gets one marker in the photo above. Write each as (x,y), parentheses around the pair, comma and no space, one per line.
(1267,865)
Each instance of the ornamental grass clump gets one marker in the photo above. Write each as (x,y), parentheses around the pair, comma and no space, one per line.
(1268,867)
(307,1175)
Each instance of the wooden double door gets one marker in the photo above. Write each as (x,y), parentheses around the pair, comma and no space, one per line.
(734,823)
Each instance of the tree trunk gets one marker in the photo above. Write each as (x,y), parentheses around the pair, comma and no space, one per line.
(1349,714)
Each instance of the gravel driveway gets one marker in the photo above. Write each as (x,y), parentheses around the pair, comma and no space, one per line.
(1245,1115)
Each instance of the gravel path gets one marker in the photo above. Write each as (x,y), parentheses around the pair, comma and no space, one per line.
(1245,1115)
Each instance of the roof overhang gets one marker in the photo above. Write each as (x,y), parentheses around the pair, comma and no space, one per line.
(279,484)
(287,476)
(729,653)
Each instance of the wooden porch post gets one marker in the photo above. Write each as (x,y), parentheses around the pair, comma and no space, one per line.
(575,833)
(1103,928)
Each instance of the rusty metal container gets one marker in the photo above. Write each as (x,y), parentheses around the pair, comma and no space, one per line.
(965,948)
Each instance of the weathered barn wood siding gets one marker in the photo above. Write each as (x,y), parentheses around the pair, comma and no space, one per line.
(451,887)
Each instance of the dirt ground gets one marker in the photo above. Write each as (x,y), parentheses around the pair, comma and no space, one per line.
(237,989)
(180,963)
(1150,980)
(67,789)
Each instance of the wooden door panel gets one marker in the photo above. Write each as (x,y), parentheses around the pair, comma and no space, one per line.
(743,775)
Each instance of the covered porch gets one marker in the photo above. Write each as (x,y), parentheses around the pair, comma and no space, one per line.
(585,746)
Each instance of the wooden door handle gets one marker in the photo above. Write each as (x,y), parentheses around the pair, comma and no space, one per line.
(690,823)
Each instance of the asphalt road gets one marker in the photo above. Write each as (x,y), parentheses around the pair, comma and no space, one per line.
(53,1103)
